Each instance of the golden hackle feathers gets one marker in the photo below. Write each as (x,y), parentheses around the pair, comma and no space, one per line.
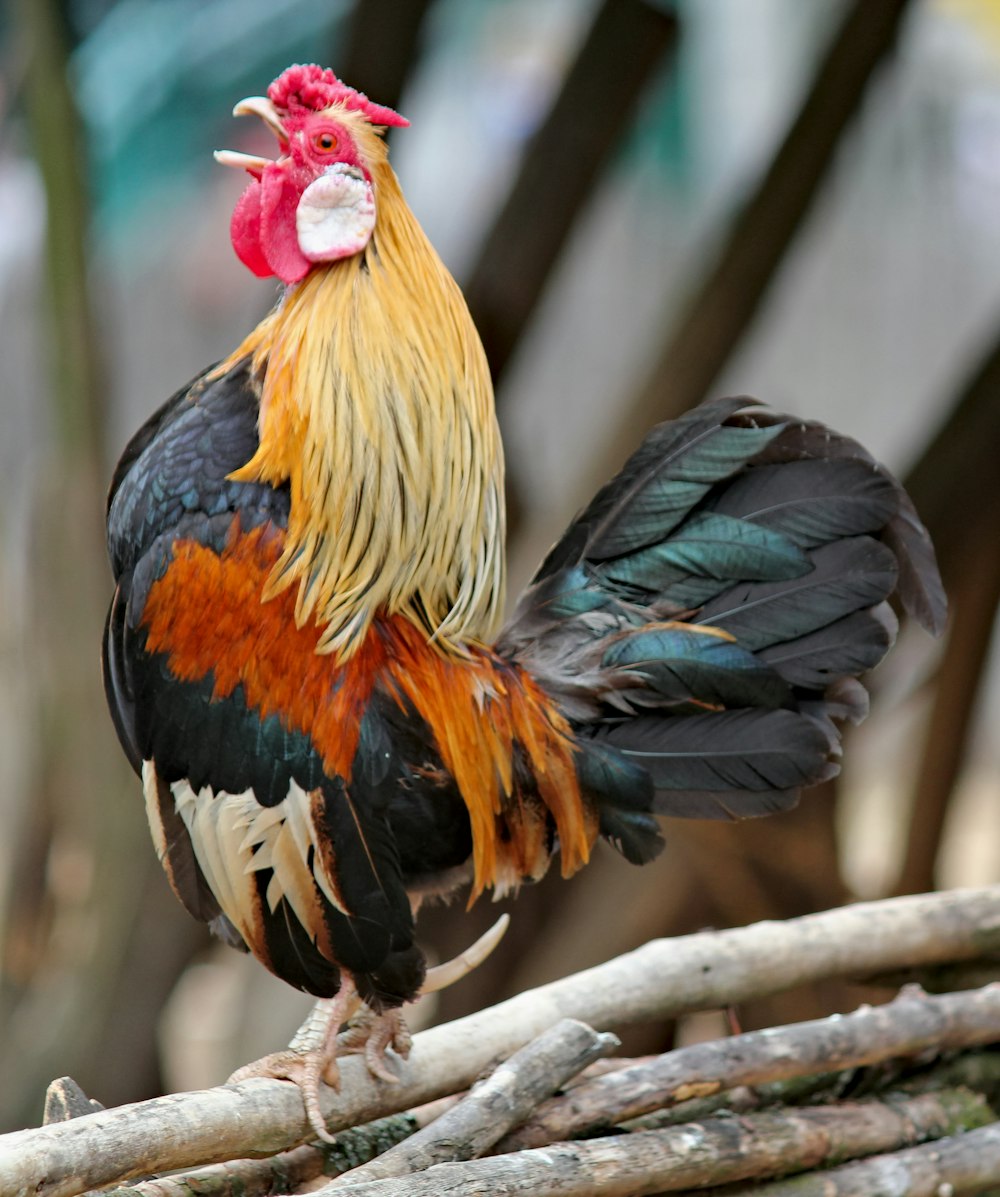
(377,406)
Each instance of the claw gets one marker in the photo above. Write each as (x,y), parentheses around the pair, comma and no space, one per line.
(311,1057)
(443,975)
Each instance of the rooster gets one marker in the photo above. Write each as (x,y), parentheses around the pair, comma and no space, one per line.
(303,656)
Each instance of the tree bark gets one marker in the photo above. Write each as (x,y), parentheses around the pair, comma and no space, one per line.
(716,1151)
(663,978)
(913,1023)
(501,1101)
(382,45)
(950,1167)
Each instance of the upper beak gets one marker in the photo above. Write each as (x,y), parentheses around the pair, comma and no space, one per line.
(254,106)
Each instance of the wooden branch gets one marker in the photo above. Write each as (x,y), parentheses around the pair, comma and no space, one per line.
(978,1071)
(661,979)
(907,1026)
(716,1151)
(285,1172)
(501,1101)
(947,1168)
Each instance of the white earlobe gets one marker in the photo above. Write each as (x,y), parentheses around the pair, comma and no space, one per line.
(336,215)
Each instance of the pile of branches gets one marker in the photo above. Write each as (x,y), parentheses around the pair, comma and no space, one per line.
(902,1098)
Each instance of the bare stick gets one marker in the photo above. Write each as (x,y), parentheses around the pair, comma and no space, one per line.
(978,1071)
(716,1151)
(661,979)
(64,1099)
(948,1168)
(905,1027)
(287,1171)
(503,1100)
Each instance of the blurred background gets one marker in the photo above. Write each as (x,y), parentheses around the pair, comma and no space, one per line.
(646,203)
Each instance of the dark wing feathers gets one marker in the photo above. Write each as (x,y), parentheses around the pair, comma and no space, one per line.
(811,502)
(679,664)
(707,615)
(851,645)
(178,466)
(730,764)
(846,576)
(173,484)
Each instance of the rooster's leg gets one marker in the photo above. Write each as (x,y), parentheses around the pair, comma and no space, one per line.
(311,1056)
(373,1034)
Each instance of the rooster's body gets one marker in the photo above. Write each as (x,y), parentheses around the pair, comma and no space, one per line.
(308,545)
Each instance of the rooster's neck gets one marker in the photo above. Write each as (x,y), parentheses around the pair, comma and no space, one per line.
(376,406)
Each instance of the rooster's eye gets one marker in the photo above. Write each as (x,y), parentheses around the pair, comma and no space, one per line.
(324,142)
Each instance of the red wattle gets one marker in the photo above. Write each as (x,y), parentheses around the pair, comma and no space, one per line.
(244,230)
(278,237)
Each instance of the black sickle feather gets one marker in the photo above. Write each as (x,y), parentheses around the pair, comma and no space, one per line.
(118,686)
(920,588)
(727,764)
(186,878)
(659,484)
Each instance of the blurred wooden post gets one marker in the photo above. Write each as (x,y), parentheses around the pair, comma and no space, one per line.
(59,149)
(382,42)
(590,115)
(957,492)
(722,307)
(955,481)
(82,868)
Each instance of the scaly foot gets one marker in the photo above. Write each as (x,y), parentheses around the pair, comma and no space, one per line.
(311,1057)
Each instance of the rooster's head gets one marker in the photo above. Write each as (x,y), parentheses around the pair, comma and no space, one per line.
(316,202)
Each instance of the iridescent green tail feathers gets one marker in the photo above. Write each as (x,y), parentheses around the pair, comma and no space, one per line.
(704,621)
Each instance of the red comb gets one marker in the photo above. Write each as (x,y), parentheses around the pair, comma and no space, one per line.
(314,88)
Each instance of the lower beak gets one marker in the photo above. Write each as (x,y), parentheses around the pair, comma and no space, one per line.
(254,106)
(241,161)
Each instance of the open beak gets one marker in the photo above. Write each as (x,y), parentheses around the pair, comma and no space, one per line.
(262,107)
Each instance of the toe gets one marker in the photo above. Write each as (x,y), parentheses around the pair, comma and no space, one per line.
(279,1066)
